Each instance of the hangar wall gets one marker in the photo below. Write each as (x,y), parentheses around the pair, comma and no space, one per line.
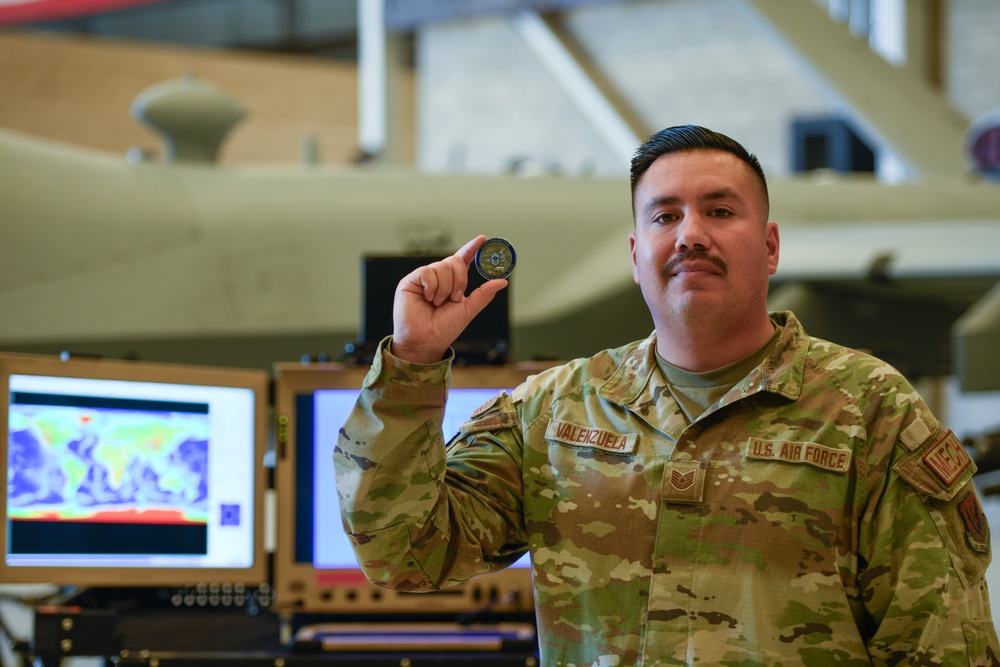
(79,91)
(972,56)
(680,61)
(684,61)
(673,60)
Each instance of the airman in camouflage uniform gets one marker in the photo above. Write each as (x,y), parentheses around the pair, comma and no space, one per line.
(808,510)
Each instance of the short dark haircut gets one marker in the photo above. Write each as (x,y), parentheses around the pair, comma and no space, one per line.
(691,138)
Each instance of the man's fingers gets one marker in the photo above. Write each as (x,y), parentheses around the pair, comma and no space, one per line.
(424,281)
(445,276)
(459,278)
(453,273)
(447,279)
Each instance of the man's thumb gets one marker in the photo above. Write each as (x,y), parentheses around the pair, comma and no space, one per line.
(481,297)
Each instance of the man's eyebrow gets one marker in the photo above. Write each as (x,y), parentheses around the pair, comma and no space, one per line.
(722,193)
(662,200)
(673,200)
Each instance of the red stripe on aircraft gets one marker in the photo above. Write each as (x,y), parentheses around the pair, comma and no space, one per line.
(33,11)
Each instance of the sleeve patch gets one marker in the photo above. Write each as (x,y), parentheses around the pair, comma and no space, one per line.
(977,530)
(939,468)
(487,406)
(948,459)
(964,529)
(497,414)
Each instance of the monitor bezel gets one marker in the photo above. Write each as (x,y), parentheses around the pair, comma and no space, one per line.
(255,574)
(302,587)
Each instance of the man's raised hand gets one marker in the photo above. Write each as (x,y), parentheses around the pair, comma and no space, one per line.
(431,309)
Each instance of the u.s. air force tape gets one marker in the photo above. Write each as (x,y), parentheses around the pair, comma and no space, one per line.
(495,259)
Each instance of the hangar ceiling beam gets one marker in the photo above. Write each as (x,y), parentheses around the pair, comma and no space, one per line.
(408,15)
(380,73)
(616,124)
(924,40)
(894,106)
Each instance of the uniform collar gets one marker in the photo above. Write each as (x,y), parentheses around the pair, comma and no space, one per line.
(781,373)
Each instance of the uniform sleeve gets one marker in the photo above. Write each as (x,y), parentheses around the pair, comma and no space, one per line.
(420,516)
(925,550)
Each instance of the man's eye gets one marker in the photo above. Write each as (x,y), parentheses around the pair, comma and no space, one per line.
(663,218)
(721,213)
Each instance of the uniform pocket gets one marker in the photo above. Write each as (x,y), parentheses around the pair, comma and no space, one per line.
(981,642)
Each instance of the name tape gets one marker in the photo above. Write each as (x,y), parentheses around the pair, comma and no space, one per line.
(820,456)
(587,436)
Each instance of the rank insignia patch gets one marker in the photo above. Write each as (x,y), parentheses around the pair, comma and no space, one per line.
(683,482)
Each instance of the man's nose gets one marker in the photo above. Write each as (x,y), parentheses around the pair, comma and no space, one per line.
(693,233)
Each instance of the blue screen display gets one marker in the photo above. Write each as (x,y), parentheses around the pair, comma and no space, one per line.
(319,535)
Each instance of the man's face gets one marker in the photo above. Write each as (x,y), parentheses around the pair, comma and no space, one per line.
(702,249)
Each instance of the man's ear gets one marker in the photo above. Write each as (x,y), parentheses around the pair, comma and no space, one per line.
(773,242)
(631,249)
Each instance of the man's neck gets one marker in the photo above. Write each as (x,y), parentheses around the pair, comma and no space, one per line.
(706,348)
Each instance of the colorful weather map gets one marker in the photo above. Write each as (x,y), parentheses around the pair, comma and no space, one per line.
(111,465)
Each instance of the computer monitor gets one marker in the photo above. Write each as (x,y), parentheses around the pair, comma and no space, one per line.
(131,473)
(315,567)
(485,341)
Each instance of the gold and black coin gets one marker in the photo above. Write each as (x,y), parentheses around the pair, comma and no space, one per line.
(495,259)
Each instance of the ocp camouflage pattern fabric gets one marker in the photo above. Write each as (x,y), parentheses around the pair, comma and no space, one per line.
(818,514)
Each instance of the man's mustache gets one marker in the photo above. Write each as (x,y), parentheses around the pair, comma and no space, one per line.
(693,256)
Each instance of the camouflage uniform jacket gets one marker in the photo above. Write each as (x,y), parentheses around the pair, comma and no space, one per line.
(818,514)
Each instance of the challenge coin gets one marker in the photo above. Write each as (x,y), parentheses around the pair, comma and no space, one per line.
(495,259)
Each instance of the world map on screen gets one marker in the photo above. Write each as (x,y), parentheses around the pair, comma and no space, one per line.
(110,465)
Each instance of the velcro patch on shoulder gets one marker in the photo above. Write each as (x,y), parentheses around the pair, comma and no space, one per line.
(939,468)
(496,414)
(915,434)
